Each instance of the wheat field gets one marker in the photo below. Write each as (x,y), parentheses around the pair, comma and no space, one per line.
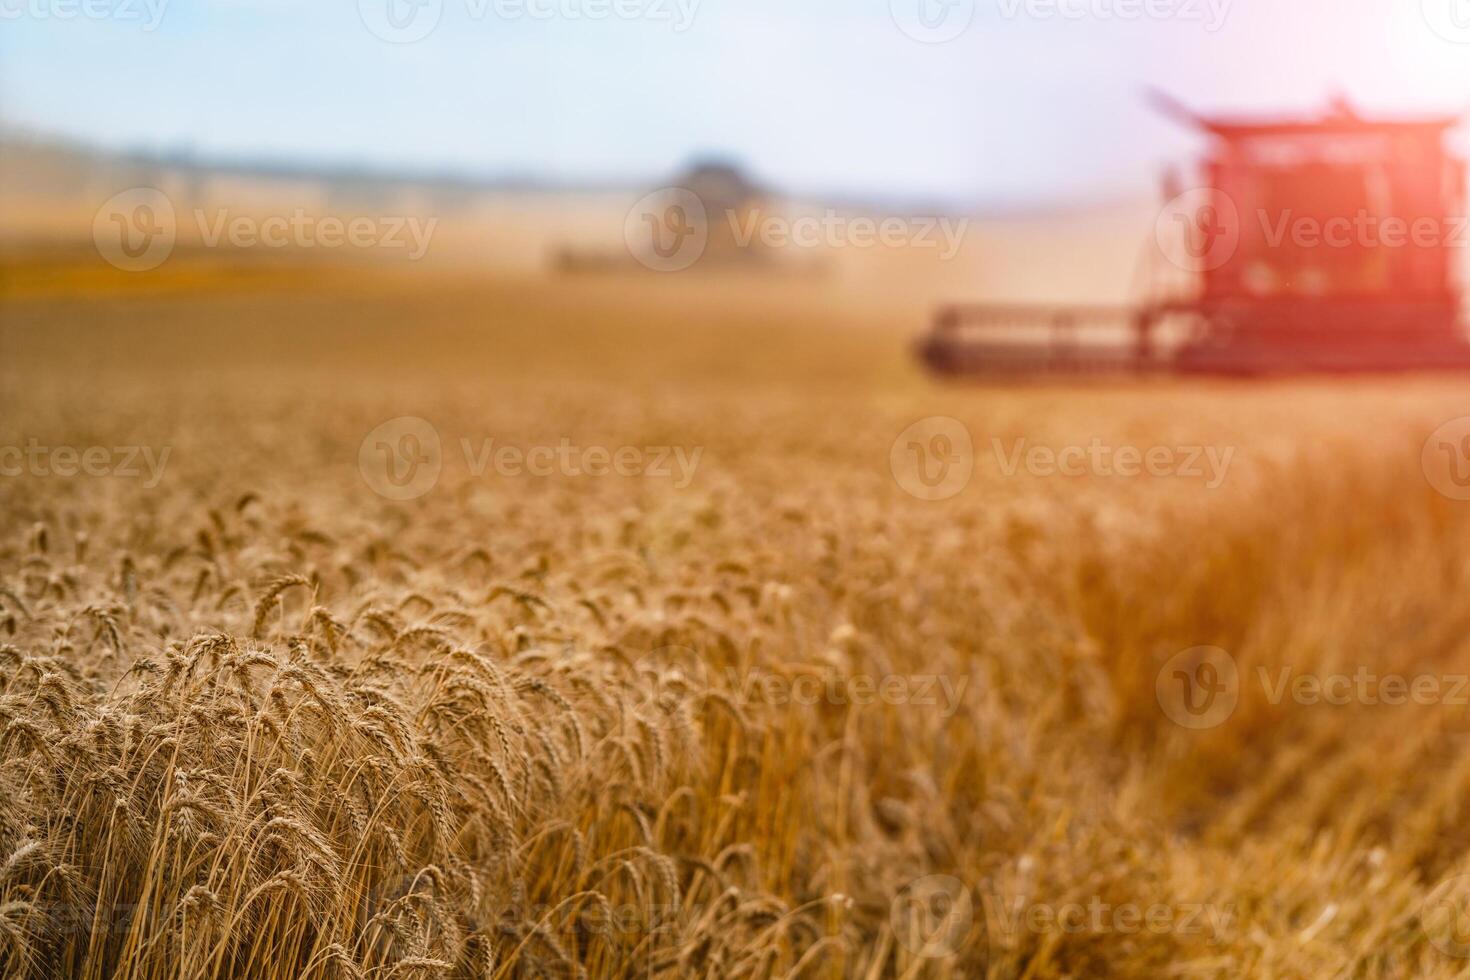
(751,708)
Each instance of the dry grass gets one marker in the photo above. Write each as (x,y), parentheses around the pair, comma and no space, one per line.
(258,721)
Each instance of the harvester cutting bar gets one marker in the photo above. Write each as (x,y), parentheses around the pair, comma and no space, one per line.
(979,340)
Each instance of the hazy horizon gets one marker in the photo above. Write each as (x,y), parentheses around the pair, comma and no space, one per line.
(1034,102)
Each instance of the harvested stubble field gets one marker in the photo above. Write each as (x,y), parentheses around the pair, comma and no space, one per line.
(257,719)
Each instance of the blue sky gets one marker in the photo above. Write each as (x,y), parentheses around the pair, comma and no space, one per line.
(1025,105)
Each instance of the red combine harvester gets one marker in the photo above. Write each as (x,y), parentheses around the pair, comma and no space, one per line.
(1316,245)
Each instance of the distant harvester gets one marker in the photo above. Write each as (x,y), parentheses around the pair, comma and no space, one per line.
(1314,245)
(703,216)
